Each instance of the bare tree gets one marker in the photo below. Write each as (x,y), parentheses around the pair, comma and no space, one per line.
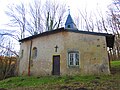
(35,11)
(7,46)
(114,16)
(84,15)
(35,18)
(88,20)
(114,24)
(117,5)
(77,21)
(53,13)
(8,58)
(7,66)
(17,14)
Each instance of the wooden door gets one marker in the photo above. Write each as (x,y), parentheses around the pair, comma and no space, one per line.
(56,65)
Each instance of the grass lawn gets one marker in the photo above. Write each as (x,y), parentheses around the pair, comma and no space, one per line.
(105,82)
(115,64)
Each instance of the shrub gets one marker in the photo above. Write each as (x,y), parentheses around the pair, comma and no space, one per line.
(7,66)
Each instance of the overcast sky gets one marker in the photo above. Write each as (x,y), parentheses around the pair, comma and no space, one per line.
(74,6)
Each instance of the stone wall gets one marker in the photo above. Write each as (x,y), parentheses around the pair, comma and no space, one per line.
(92,49)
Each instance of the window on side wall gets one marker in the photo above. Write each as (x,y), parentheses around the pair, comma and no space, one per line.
(21,55)
(34,53)
(73,58)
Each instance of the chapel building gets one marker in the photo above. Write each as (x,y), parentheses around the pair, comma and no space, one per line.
(65,51)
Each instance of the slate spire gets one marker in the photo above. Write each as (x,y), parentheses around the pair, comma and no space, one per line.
(69,22)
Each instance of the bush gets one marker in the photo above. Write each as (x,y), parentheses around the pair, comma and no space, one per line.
(7,66)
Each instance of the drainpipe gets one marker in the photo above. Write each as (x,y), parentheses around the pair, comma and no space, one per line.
(29,58)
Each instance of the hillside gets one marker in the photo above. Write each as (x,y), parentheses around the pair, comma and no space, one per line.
(105,82)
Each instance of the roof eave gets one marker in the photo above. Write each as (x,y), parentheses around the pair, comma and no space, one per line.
(109,37)
(42,34)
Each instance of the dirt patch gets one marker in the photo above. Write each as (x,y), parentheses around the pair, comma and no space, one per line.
(115,70)
(3,89)
(27,88)
(80,89)
(72,88)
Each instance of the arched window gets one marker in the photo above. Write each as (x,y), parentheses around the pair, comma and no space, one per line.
(21,54)
(34,53)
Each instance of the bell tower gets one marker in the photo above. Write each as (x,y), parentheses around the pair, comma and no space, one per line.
(69,22)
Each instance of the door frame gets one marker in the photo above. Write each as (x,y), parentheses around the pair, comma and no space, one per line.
(53,64)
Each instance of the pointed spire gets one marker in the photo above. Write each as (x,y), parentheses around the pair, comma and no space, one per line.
(69,22)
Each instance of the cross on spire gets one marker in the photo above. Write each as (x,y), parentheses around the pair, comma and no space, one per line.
(69,22)
(69,9)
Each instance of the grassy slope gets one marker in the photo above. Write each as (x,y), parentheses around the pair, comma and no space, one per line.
(115,64)
(109,82)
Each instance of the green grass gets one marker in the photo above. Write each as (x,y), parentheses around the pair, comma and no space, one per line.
(37,81)
(52,82)
(115,64)
(26,81)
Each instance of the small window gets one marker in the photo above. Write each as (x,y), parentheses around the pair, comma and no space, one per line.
(73,59)
(68,26)
(21,55)
(34,53)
